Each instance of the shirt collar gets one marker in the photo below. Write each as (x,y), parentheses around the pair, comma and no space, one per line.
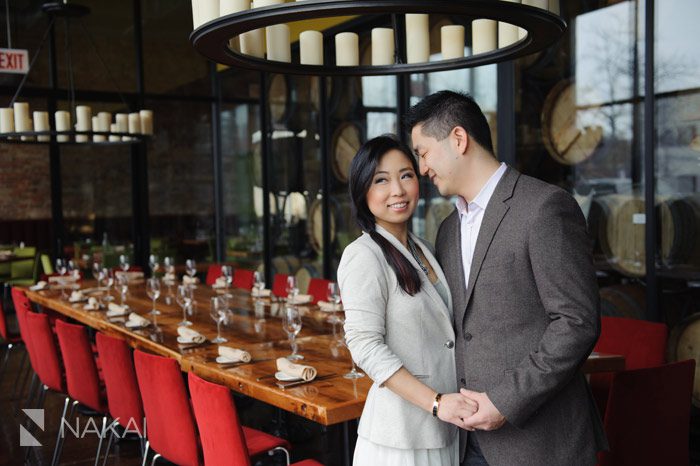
(482,199)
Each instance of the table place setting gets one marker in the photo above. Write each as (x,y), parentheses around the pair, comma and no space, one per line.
(92,304)
(325,306)
(135,322)
(117,310)
(232,356)
(77,296)
(261,293)
(40,285)
(188,338)
(300,299)
(290,374)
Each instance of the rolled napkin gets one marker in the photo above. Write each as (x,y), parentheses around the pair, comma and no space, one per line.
(76,296)
(257,293)
(234,354)
(169,277)
(91,305)
(40,285)
(302,299)
(130,276)
(62,279)
(115,310)
(139,321)
(329,307)
(219,283)
(296,370)
(190,335)
(187,280)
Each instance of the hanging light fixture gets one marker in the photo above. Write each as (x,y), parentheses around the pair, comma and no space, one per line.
(79,125)
(231,32)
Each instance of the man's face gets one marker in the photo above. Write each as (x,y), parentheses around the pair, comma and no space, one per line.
(436,159)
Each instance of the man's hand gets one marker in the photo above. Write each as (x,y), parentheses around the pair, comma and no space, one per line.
(455,409)
(487,417)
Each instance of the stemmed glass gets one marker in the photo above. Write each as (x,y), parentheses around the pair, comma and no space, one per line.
(227,273)
(221,314)
(334,298)
(123,287)
(96,270)
(184,299)
(191,268)
(169,265)
(354,373)
(100,276)
(153,291)
(61,269)
(72,269)
(124,262)
(291,323)
(153,264)
(108,277)
(259,282)
(292,290)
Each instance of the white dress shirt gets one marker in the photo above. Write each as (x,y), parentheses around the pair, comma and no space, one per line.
(470,216)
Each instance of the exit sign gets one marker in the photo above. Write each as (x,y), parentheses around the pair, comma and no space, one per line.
(14,61)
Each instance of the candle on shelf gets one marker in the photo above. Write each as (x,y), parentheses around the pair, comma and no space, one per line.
(105,120)
(554,7)
(122,121)
(507,33)
(253,43)
(134,125)
(382,46)
(114,128)
(543,4)
(7,120)
(262,3)
(41,123)
(417,38)
(21,116)
(83,116)
(311,48)
(29,126)
(96,127)
(146,121)
(483,36)
(278,46)
(208,10)
(227,7)
(452,41)
(62,120)
(347,49)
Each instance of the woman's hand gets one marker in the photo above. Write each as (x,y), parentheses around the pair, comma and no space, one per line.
(455,408)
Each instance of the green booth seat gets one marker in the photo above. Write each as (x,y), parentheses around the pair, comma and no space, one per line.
(24,272)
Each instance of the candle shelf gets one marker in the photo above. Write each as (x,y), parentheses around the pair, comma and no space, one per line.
(212,38)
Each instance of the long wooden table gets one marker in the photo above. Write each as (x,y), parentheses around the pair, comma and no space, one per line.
(327,401)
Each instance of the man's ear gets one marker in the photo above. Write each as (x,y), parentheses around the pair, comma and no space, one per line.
(460,139)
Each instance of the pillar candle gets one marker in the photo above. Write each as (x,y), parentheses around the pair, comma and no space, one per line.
(382,46)
(29,126)
(452,42)
(543,4)
(21,116)
(554,7)
(122,121)
(114,128)
(41,123)
(62,120)
(208,10)
(96,127)
(7,120)
(195,14)
(253,43)
(278,46)
(227,7)
(347,49)
(83,117)
(104,120)
(311,48)
(417,38)
(483,36)
(262,3)
(134,125)
(507,33)
(146,121)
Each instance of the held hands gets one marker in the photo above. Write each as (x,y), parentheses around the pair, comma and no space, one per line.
(486,417)
(456,408)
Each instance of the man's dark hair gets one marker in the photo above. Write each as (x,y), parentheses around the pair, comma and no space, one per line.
(440,112)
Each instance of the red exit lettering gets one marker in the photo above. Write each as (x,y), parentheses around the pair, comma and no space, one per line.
(13,61)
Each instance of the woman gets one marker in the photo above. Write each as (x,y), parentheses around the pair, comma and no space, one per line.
(398,322)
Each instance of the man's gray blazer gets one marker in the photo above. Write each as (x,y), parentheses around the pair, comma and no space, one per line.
(526,322)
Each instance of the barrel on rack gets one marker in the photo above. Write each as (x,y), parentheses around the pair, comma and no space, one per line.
(287,265)
(315,225)
(306,272)
(680,231)
(684,343)
(628,300)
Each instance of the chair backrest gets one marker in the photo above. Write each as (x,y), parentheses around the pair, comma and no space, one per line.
(213,272)
(46,266)
(643,343)
(3,323)
(24,269)
(243,279)
(279,284)
(22,305)
(123,395)
(220,430)
(318,288)
(46,361)
(82,379)
(169,422)
(647,420)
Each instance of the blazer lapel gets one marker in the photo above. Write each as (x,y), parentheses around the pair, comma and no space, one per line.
(450,248)
(495,211)
(441,277)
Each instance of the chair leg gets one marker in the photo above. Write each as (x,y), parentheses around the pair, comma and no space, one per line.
(20,393)
(109,442)
(5,359)
(102,436)
(32,428)
(145,454)
(155,457)
(60,439)
(276,449)
(57,447)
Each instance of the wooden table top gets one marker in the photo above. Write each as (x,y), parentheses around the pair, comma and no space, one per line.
(326,401)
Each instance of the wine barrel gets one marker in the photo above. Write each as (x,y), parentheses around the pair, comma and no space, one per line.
(278,97)
(347,139)
(680,229)
(315,224)
(288,265)
(683,344)
(305,273)
(438,210)
(623,301)
(620,232)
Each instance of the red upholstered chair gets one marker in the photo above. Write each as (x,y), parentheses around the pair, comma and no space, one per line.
(318,288)
(647,420)
(170,425)
(82,380)
(10,340)
(224,440)
(22,307)
(213,272)
(279,285)
(243,279)
(642,343)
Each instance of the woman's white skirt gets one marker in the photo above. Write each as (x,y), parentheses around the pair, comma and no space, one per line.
(368,453)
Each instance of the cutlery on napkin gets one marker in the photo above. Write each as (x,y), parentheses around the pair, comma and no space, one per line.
(302,371)
(234,354)
(192,336)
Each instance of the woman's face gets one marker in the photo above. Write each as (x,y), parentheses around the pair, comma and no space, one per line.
(393,194)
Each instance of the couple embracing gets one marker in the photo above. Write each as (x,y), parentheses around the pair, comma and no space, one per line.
(475,350)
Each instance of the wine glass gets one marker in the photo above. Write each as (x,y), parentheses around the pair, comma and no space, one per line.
(122,286)
(333,296)
(124,262)
(227,273)
(169,265)
(220,313)
(191,268)
(291,323)
(101,276)
(108,275)
(153,291)
(291,288)
(72,269)
(184,299)
(96,270)
(153,264)
(354,373)
(61,269)
(259,282)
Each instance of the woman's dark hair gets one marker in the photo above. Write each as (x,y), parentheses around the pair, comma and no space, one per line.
(362,170)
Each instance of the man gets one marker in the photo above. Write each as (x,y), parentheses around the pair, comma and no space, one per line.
(517,259)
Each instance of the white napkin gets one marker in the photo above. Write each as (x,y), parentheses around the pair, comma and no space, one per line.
(219,283)
(138,320)
(257,293)
(187,280)
(191,335)
(302,299)
(329,307)
(40,285)
(296,370)
(91,304)
(76,296)
(234,354)
(130,276)
(114,310)
(169,277)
